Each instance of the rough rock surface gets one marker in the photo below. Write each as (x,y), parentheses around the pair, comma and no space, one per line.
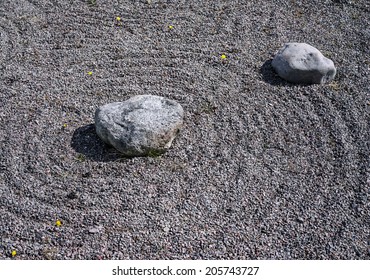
(304,64)
(141,126)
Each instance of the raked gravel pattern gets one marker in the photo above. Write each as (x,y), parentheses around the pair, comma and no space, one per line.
(262,169)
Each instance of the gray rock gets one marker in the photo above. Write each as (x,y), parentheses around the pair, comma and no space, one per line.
(144,125)
(304,64)
(95,229)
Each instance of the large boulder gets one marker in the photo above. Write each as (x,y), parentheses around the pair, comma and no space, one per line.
(144,125)
(303,64)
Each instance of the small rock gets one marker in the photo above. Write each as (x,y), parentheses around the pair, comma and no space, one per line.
(95,229)
(166,229)
(304,64)
(144,125)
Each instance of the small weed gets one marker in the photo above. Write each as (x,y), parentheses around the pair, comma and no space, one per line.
(154,153)
(335,86)
(299,13)
(267,30)
(92,2)
(50,253)
(355,16)
(81,157)
(177,167)
(208,108)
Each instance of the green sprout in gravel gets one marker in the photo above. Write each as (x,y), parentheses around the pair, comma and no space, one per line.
(208,108)
(81,157)
(335,86)
(154,153)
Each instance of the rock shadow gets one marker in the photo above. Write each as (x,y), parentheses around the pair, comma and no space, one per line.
(87,143)
(269,75)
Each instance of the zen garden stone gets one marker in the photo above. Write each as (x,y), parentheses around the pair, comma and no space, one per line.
(144,125)
(304,64)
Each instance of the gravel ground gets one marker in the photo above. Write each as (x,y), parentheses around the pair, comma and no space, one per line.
(262,169)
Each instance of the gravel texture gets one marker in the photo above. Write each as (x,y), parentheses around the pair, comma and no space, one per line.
(262,169)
